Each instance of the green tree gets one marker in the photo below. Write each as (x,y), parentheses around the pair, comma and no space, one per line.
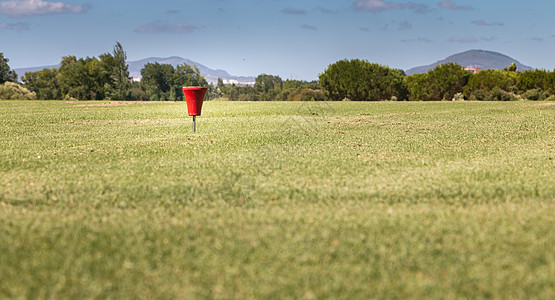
(82,78)
(157,80)
(6,74)
(293,84)
(363,81)
(138,92)
(533,79)
(220,83)
(446,80)
(551,82)
(395,85)
(115,73)
(485,81)
(267,87)
(441,83)
(511,68)
(70,78)
(298,90)
(186,75)
(240,93)
(418,86)
(119,73)
(44,83)
(164,82)
(265,83)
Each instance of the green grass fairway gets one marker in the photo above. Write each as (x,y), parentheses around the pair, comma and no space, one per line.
(277,200)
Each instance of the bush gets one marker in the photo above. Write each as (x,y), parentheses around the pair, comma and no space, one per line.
(305,94)
(488,80)
(498,94)
(361,80)
(479,95)
(14,91)
(458,97)
(536,94)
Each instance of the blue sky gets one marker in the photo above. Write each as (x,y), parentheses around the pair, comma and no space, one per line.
(295,39)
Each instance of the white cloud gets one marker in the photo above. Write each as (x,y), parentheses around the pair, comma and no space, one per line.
(419,40)
(309,27)
(159,26)
(325,10)
(376,5)
(463,39)
(27,8)
(484,23)
(14,26)
(448,4)
(381,5)
(488,38)
(293,11)
(417,7)
(424,40)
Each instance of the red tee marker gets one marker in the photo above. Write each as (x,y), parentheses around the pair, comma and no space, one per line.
(194,96)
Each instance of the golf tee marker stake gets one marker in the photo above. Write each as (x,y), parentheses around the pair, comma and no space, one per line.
(194,124)
(194,96)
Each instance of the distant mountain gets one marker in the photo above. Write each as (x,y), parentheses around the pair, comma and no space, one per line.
(136,66)
(21,71)
(210,74)
(480,59)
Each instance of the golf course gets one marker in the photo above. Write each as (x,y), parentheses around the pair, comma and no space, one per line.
(277,200)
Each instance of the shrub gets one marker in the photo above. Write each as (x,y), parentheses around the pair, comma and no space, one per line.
(488,80)
(479,95)
(305,94)
(498,94)
(458,97)
(536,94)
(14,91)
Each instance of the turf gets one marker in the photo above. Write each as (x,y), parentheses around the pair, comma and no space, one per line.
(277,200)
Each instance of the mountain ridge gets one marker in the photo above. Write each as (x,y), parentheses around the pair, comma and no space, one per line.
(211,75)
(480,59)
(135,67)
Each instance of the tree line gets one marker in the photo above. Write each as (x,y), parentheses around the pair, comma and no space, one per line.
(364,81)
(273,88)
(103,78)
(107,78)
